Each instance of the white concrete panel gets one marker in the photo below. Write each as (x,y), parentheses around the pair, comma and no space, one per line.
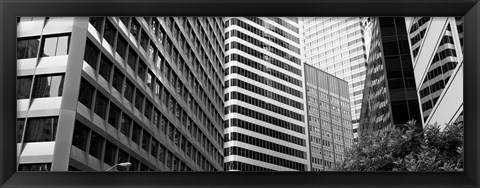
(37,152)
(29,28)
(408,21)
(54,64)
(22,107)
(449,102)
(26,66)
(58,25)
(49,106)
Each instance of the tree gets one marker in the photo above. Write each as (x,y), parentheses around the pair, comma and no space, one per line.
(408,149)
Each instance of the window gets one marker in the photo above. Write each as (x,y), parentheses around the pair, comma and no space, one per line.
(121,46)
(137,130)
(48,86)
(114,115)
(150,79)
(139,101)
(135,28)
(122,157)
(35,167)
(109,33)
(148,110)
(153,148)
(144,40)
(101,105)
(117,80)
(128,91)
(145,140)
(86,94)
(96,143)
(132,59)
(91,54)
(24,85)
(105,67)
(20,125)
(55,46)
(110,152)
(96,23)
(41,129)
(141,70)
(125,125)
(80,135)
(27,47)
(161,153)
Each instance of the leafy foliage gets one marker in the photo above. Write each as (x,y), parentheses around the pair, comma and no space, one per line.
(410,149)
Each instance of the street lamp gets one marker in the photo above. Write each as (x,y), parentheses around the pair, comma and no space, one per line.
(125,164)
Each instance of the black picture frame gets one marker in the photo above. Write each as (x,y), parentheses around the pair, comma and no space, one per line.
(9,9)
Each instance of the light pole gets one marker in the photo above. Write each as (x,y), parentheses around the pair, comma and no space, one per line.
(124,164)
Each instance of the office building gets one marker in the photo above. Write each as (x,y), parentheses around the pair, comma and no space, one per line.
(336,45)
(264,94)
(390,97)
(329,120)
(99,91)
(436,45)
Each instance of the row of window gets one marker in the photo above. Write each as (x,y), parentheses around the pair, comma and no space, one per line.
(131,128)
(97,146)
(264,157)
(274,29)
(50,45)
(237,165)
(38,129)
(234,122)
(260,33)
(105,68)
(236,136)
(260,55)
(260,44)
(284,24)
(263,117)
(261,91)
(265,105)
(263,68)
(264,80)
(44,86)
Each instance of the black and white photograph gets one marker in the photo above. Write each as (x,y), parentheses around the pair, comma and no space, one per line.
(248,94)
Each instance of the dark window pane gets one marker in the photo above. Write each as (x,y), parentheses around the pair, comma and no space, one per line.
(122,157)
(85,97)
(97,23)
(105,68)
(24,85)
(35,167)
(80,135)
(125,125)
(148,110)
(121,46)
(20,126)
(114,115)
(142,68)
(145,140)
(137,130)
(96,143)
(153,148)
(117,81)
(109,33)
(110,152)
(139,101)
(48,86)
(135,164)
(27,47)
(125,20)
(132,59)
(41,129)
(128,91)
(135,28)
(144,40)
(91,54)
(101,105)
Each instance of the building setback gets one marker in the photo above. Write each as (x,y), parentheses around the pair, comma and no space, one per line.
(436,44)
(390,97)
(329,119)
(95,92)
(336,45)
(265,117)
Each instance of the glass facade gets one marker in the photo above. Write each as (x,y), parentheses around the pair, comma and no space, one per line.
(390,92)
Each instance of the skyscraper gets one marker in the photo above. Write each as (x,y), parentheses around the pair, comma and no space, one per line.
(329,119)
(336,45)
(390,97)
(98,91)
(436,44)
(265,111)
